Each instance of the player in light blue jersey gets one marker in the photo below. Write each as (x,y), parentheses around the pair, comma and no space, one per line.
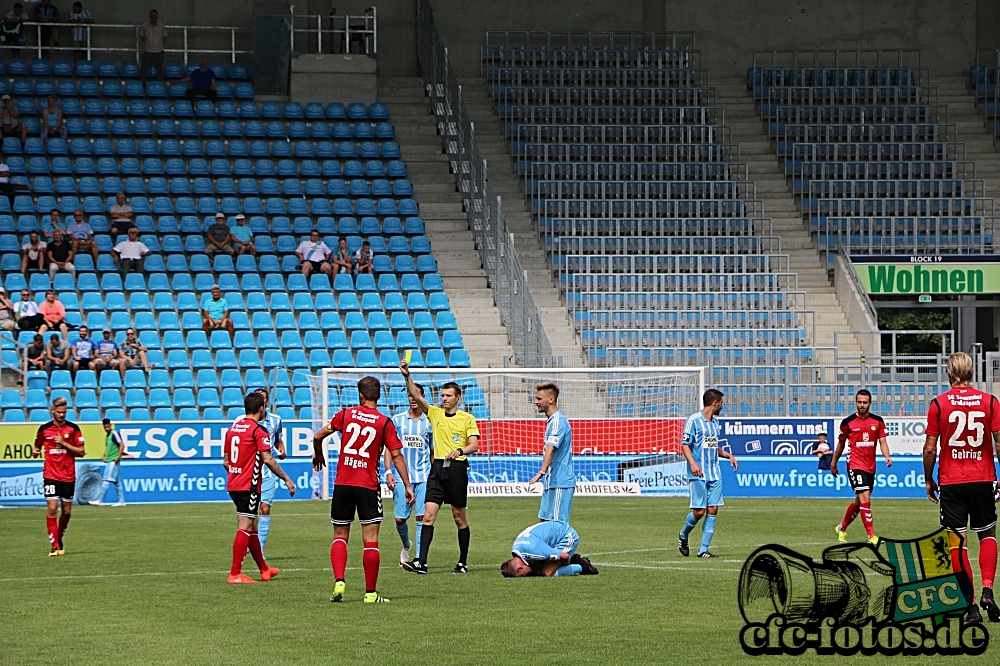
(557,463)
(546,549)
(700,444)
(269,482)
(415,433)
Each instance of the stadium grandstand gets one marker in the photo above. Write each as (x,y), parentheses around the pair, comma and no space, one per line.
(597,199)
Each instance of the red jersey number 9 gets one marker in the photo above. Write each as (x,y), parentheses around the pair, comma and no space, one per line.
(967,422)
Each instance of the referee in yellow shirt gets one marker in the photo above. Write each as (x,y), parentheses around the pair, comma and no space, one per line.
(455,435)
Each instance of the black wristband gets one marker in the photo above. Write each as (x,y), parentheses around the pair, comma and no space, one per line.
(461,451)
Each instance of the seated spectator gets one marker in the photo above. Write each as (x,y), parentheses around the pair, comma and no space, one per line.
(215,313)
(132,353)
(57,354)
(7,321)
(60,254)
(243,237)
(52,123)
(53,312)
(10,120)
(202,83)
(343,262)
(12,30)
(84,350)
(26,313)
(35,353)
(313,254)
(363,259)
(107,353)
(80,231)
(51,223)
(129,253)
(218,238)
(7,188)
(33,253)
(122,217)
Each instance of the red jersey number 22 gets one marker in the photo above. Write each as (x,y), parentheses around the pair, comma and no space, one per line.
(355,430)
(965,423)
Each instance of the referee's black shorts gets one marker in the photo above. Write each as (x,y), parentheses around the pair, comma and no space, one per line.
(449,485)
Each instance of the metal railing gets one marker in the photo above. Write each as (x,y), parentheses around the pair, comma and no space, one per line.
(507,279)
(836,58)
(591,39)
(320,32)
(7,341)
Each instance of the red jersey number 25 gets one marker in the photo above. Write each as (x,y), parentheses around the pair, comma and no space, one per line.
(967,422)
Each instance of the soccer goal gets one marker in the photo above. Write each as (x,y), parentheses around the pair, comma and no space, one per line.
(626,422)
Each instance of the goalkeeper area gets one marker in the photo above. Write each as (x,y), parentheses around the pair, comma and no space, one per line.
(146,584)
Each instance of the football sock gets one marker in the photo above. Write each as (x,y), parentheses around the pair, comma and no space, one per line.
(866,518)
(256,552)
(568,570)
(63,523)
(52,524)
(371,562)
(416,540)
(849,516)
(707,532)
(105,487)
(120,491)
(463,545)
(988,560)
(689,524)
(263,528)
(960,557)
(425,543)
(338,557)
(240,545)
(404,534)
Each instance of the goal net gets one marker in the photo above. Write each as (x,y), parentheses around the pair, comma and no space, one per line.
(626,423)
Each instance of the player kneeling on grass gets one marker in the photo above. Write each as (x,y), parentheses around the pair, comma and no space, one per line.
(547,549)
(247,449)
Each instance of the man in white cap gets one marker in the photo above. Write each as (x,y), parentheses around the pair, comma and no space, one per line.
(10,120)
(243,236)
(218,237)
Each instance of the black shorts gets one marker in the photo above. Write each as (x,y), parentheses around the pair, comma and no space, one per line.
(317,265)
(969,504)
(861,480)
(348,499)
(63,490)
(449,485)
(247,502)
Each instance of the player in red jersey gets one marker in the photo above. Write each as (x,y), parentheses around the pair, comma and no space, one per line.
(862,429)
(63,443)
(961,419)
(246,449)
(363,432)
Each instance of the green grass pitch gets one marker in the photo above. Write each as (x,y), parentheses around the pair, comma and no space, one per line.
(146,585)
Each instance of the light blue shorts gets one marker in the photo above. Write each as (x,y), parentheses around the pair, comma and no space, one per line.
(402,510)
(112,472)
(556,504)
(268,484)
(705,493)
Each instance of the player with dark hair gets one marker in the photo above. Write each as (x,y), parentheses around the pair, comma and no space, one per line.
(455,435)
(246,449)
(415,433)
(964,418)
(862,429)
(63,443)
(547,549)
(700,446)
(363,432)
(557,460)
(269,484)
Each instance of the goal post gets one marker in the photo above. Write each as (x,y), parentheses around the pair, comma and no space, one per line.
(626,422)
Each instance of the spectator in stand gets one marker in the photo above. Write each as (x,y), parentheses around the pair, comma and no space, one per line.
(154,36)
(218,238)
(46,12)
(80,231)
(243,237)
(51,223)
(215,313)
(132,353)
(7,188)
(363,259)
(122,217)
(12,29)
(80,15)
(26,313)
(107,353)
(343,262)
(10,120)
(202,83)
(129,253)
(60,254)
(54,314)
(313,254)
(7,322)
(36,353)
(33,253)
(57,354)
(52,121)
(83,349)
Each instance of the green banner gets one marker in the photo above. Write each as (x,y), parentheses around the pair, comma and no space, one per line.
(931,278)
